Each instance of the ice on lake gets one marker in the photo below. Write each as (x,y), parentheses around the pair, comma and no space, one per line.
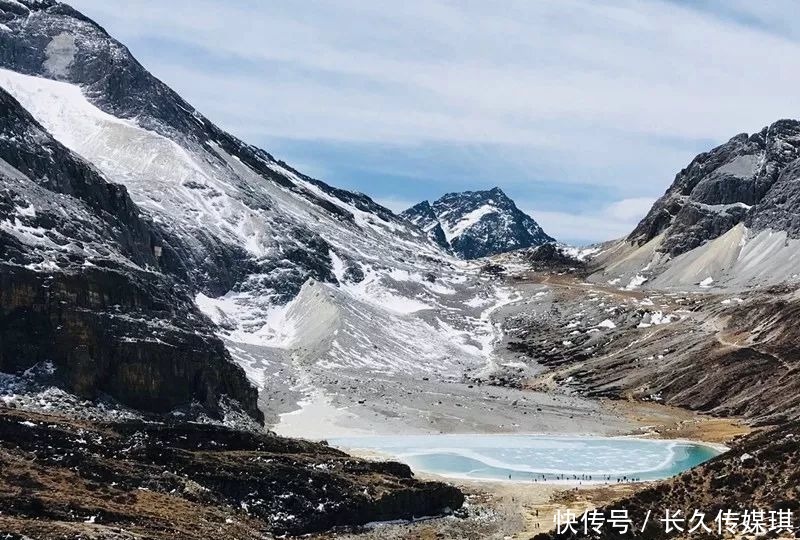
(529,457)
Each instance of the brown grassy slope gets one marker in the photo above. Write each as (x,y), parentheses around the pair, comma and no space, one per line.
(62,478)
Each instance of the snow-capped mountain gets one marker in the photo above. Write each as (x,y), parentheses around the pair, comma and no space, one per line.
(241,211)
(476,224)
(300,279)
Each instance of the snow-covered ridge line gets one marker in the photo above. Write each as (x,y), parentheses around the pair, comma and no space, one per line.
(370,270)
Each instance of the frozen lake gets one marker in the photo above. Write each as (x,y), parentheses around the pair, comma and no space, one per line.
(536,457)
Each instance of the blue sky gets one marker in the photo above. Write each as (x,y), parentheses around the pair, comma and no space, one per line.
(582,111)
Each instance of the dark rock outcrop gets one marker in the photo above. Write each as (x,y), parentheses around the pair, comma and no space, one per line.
(750,179)
(82,285)
(195,481)
(423,216)
(552,258)
(122,334)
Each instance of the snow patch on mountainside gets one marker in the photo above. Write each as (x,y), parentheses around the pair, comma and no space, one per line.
(160,174)
(475,224)
(194,189)
(386,300)
(738,259)
(394,322)
(464,222)
(242,318)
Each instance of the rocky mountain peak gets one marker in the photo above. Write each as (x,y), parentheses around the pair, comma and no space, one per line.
(743,180)
(476,224)
(137,213)
(423,216)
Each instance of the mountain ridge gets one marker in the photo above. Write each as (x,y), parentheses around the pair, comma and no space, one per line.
(475,224)
(721,188)
(226,217)
(727,213)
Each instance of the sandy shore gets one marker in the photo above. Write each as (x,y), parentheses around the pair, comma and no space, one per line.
(665,422)
(498,511)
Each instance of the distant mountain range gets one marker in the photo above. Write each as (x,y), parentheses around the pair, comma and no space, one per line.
(474,224)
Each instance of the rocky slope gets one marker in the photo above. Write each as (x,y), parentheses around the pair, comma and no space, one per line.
(62,478)
(732,183)
(725,354)
(238,231)
(727,212)
(423,216)
(760,473)
(476,224)
(243,233)
(81,286)
(726,228)
(666,347)
(239,211)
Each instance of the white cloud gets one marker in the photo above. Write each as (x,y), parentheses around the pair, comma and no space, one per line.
(533,72)
(629,209)
(395,204)
(615,95)
(615,220)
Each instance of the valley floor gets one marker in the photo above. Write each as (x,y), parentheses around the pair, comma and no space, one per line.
(548,334)
(520,510)
(493,399)
(514,394)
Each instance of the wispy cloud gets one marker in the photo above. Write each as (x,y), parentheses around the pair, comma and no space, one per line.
(617,94)
(615,220)
(396,204)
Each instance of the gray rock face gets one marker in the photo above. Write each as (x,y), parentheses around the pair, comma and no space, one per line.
(423,216)
(476,224)
(91,286)
(780,207)
(50,39)
(749,179)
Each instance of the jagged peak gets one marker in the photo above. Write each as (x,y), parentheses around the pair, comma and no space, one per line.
(495,191)
(420,206)
(722,187)
(478,223)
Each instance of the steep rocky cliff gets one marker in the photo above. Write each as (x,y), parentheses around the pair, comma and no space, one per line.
(82,286)
(748,179)
(423,216)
